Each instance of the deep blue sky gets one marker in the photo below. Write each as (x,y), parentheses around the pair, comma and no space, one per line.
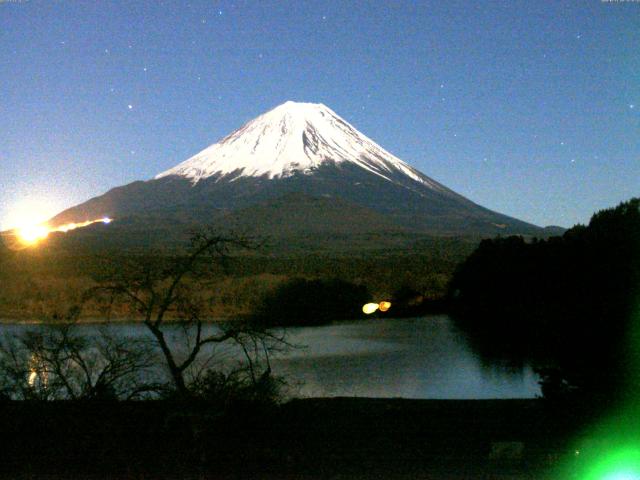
(530,108)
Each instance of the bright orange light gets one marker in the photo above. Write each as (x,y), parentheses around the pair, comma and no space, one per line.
(27,221)
(30,235)
(72,226)
(28,212)
(384,306)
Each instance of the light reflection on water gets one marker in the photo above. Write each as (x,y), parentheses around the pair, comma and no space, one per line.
(411,358)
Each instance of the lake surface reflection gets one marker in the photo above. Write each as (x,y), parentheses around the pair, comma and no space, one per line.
(412,358)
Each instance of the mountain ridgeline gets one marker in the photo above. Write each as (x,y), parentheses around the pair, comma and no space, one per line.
(298,170)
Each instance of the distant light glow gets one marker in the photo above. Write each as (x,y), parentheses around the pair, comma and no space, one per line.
(38,374)
(72,226)
(617,464)
(622,476)
(369,308)
(384,306)
(29,212)
(32,234)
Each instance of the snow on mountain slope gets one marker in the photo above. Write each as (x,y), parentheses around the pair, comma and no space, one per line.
(301,149)
(294,137)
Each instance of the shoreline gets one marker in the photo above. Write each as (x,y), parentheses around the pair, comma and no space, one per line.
(427,308)
(103,321)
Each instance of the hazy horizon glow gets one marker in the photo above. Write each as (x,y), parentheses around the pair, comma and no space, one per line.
(33,233)
(528,108)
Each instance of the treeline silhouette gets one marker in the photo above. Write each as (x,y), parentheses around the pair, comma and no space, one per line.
(36,282)
(569,304)
(312,302)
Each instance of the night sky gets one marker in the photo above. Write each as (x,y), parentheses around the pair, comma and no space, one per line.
(530,108)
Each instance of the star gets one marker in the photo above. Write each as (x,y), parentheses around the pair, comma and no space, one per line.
(573,160)
(144,69)
(219,12)
(579,36)
(631,106)
(106,50)
(561,143)
(130,107)
(324,17)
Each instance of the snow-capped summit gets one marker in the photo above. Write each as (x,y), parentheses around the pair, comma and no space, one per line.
(293,137)
(297,171)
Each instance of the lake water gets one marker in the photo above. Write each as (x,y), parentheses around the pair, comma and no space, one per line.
(412,358)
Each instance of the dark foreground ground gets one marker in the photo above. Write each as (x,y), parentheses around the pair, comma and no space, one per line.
(304,439)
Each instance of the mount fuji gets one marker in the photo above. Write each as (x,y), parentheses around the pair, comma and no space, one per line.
(292,138)
(299,169)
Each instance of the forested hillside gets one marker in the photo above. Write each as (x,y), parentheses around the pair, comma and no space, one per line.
(568,303)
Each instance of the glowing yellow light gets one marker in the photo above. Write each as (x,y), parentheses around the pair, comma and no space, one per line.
(38,376)
(33,376)
(27,221)
(370,308)
(32,234)
(384,306)
(28,212)
(67,227)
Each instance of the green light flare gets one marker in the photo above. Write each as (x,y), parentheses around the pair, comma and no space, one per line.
(621,463)
(622,476)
